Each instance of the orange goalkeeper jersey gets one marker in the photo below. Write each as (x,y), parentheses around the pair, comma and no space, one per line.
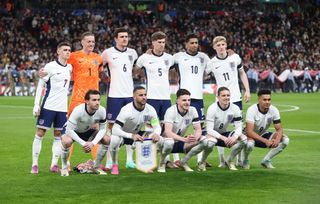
(85,74)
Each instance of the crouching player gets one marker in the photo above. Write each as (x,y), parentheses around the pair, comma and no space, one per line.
(81,127)
(219,116)
(259,117)
(176,122)
(130,124)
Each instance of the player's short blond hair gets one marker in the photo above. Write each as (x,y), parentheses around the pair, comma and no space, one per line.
(218,39)
(158,36)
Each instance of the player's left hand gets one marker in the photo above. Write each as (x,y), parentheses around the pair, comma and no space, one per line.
(275,143)
(246,96)
(155,138)
(36,111)
(87,147)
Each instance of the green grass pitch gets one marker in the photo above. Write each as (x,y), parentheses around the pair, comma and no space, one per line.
(296,178)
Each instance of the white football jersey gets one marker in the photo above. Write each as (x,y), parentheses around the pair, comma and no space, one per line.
(157,74)
(57,86)
(120,65)
(220,119)
(191,69)
(261,120)
(81,121)
(180,122)
(131,120)
(225,72)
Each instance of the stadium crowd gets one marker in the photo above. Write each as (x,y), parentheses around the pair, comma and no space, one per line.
(273,39)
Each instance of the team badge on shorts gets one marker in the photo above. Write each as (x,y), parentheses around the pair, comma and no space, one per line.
(109,115)
(41,121)
(146,156)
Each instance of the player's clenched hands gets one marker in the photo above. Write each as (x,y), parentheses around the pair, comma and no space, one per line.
(231,141)
(268,143)
(275,143)
(87,147)
(137,137)
(190,139)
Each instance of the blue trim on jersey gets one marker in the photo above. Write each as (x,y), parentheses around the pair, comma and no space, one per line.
(48,89)
(239,104)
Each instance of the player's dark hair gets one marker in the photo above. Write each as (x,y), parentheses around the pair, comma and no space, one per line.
(91,92)
(190,36)
(264,92)
(138,88)
(158,36)
(119,30)
(85,34)
(65,43)
(222,88)
(182,92)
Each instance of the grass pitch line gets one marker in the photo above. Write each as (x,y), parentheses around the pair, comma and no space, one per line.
(291,107)
(22,107)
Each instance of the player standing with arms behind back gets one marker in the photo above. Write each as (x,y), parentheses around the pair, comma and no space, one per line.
(226,69)
(119,60)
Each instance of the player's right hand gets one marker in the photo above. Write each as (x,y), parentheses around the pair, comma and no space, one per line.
(137,137)
(36,111)
(191,138)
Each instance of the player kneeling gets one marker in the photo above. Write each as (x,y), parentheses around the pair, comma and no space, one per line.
(87,126)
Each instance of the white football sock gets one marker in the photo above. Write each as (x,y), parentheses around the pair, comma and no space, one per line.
(109,159)
(114,148)
(36,149)
(208,147)
(101,152)
(166,149)
(56,150)
(129,153)
(195,150)
(274,151)
(221,154)
(64,157)
(199,157)
(176,157)
(248,149)
(235,150)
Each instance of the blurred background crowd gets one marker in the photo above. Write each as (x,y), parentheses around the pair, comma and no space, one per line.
(278,40)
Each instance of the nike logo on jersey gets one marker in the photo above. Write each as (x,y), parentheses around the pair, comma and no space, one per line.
(59,73)
(114,58)
(186,59)
(217,67)
(151,62)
